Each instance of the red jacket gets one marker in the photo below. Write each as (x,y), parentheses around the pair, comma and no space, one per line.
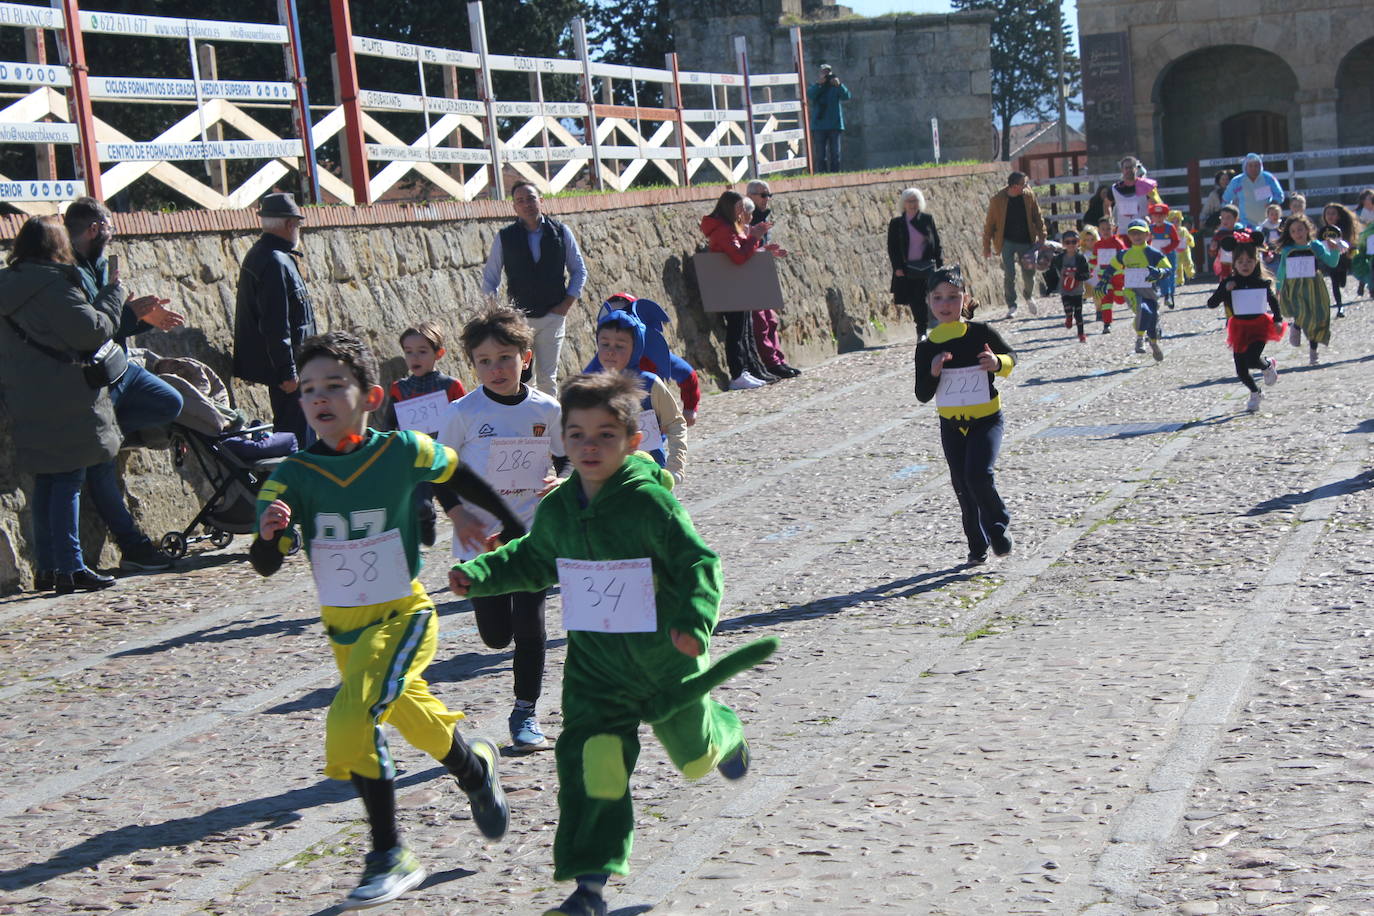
(729,241)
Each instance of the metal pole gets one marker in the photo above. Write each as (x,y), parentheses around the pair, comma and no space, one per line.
(79,101)
(477,28)
(1060,82)
(580,42)
(742,65)
(347,67)
(209,67)
(300,114)
(799,59)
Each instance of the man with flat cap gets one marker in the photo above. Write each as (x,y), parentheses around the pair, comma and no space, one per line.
(273,314)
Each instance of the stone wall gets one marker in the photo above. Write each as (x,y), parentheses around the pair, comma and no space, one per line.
(1313,45)
(903,70)
(377,270)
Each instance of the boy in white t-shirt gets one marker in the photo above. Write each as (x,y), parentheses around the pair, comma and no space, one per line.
(509,433)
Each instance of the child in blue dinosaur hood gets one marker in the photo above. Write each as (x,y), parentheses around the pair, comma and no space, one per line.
(620,339)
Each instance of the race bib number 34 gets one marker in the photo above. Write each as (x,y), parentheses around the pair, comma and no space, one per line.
(518,463)
(612,596)
(962,387)
(366,571)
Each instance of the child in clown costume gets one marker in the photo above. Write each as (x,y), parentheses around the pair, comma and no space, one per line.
(1107,246)
(1165,239)
(628,661)
(1135,272)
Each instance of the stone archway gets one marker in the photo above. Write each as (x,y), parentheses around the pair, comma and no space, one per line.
(1355,96)
(1198,92)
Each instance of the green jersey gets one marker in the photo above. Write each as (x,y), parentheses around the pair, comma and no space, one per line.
(361,494)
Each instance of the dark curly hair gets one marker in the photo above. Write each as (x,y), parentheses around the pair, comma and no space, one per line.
(346,348)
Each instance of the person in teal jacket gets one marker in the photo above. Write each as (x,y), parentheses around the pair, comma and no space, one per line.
(826,97)
(641,593)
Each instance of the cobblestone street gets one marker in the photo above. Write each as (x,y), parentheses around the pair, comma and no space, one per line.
(1162,701)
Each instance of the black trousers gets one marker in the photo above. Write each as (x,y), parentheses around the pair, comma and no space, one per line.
(518,616)
(288,416)
(1073,308)
(741,352)
(971,448)
(1252,358)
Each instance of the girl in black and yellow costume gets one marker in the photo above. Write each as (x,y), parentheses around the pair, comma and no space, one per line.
(957,365)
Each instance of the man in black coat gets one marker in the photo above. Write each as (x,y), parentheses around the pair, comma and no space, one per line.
(273,314)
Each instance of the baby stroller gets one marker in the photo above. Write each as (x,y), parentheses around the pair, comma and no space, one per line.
(236,464)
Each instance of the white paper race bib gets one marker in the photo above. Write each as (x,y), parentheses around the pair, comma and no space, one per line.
(1301,268)
(962,387)
(648,425)
(366,571)
(1263,194)
(1159,244)
(1227,256)
(422,413)
(1137,277)
(1249,301)
(518,463)
(1369,245)
(1127,207)
(614,596)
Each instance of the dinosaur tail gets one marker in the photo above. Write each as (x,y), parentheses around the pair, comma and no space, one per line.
(693,688)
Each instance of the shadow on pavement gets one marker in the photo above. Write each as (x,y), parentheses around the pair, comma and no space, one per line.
(1361,481)
(227,632)
(1031,382)
(259,813)
(821,607)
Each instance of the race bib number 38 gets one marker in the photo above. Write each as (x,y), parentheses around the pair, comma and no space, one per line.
(613,596)
(366,571)
(962,387)
(518,463)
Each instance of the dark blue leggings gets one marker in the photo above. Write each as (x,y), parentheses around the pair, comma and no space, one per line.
(971,448)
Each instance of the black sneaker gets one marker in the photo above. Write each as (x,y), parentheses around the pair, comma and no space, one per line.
(490,812)
(976,559)
(1001,544)
(427,531)
(582,902)
(44,580)
(145,556)
(736,765)
(784,370)
(83,580)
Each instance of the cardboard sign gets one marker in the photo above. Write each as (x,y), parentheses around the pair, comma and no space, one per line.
(963,387)
(518,463)
(1249,301)
(423,413)
(729,287)
(1302,267)
(366,571)
(615,596)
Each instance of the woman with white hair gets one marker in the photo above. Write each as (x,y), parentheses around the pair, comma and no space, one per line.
(913,247)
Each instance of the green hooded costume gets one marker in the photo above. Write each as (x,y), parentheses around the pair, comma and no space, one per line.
(614,681)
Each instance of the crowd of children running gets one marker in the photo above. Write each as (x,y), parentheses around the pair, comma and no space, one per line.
(576,491)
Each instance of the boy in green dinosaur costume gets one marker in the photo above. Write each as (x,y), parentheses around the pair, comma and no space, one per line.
(640,592)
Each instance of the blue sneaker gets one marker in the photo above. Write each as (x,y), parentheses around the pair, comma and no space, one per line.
(490,812)
(525,732)
(386,876)
(736,765)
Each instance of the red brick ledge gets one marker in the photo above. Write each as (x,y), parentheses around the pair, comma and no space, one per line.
(147,223)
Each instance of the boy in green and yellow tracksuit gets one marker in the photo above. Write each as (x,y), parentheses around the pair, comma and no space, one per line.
(348,499)
(1133,273)
(640,593)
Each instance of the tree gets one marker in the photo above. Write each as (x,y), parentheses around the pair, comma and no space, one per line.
(635,33)
(1024,60)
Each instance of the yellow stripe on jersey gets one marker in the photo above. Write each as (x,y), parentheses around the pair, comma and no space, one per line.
(451,465)
(386,444)
(424,451)
(272,490)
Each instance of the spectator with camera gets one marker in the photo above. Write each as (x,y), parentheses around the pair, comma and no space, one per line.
(826,97)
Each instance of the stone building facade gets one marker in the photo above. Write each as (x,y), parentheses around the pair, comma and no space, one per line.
(903,70)
(1174,80)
